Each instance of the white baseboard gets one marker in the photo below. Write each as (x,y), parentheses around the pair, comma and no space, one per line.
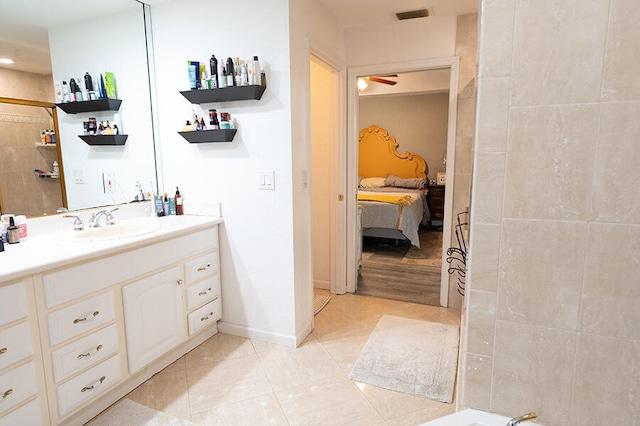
(262,335)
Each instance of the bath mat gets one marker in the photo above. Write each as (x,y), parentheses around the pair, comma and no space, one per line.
(410,356)
(127,412)
(319,302)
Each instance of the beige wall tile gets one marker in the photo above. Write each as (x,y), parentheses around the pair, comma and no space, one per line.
(488,187)
(533,371)
(477,382)
(492,115)
(609,303)
(621,66)
(496,38)
(541,273)
(481,316)
(616,175)
(549,162)
(465,124)
(483,259)
(551,51)
(606,381)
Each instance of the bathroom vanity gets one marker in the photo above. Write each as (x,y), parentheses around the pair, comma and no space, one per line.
(83,321)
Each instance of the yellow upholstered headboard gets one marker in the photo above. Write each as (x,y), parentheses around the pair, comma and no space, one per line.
(378,157)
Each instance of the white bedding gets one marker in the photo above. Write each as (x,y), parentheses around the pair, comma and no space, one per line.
(406,219)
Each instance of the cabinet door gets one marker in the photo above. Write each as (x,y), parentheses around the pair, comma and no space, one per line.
(153,316)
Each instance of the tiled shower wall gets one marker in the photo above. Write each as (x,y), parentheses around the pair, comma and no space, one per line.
(552,318)
(22,191)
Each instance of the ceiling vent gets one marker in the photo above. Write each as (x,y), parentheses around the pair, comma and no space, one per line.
(412,14)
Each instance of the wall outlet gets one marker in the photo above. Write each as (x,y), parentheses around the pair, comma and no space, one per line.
(108,183)
(267,179)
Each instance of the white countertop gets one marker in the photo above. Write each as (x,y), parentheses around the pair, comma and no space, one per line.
(51,245)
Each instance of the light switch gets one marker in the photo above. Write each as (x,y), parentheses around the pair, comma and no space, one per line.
(267,179)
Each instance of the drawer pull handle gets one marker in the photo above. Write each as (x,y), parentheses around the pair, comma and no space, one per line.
(89,353)
(6,394)
(94,385)
(179,282)
(3,351)
(202,293)
(207,317)
(87,318)
(204,268)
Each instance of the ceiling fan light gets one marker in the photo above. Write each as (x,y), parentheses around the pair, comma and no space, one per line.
(412,14)
(362,84)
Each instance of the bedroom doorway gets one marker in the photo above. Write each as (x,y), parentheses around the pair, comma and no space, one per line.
(352,154)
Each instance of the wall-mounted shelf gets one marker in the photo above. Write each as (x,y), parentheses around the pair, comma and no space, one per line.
(104,139)
(90,106)
(225,94)
(45,145)
(206,136)
(45,175)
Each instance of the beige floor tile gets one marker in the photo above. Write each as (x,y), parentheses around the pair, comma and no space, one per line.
(346,350)
(263,410)
(329,402)
(226,382)
(178,365)
(166,391)
(289,367)
(392,405)
(219,348)
(260,346)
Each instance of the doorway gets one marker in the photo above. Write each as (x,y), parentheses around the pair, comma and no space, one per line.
(352,158)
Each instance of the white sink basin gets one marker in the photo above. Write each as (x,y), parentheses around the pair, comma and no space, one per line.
(114,232)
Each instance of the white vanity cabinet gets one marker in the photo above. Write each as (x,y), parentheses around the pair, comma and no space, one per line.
(154,317)
(20,397)
(102,326)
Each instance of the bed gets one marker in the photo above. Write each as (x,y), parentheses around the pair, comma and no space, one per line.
(392,188)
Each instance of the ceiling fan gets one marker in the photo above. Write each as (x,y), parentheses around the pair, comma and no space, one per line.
(382,79)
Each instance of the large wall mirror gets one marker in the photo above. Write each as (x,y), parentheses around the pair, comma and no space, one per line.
(54,41)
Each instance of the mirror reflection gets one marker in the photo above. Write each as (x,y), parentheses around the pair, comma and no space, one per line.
(54,41)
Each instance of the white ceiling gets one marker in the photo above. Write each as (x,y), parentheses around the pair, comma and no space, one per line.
(352,13)
(23,33)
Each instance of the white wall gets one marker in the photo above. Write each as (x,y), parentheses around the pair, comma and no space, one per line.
(257,235)
(402,41)
(114,43)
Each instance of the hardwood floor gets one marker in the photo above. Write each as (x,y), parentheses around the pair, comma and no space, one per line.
(402,272)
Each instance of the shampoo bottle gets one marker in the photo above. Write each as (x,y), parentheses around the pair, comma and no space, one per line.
(230,72)
(213,64)
(13,233)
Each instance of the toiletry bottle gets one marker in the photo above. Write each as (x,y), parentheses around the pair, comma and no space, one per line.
(213,64)
(165,205)
(244,77)
(21,223)
(213,119)
(255,68)
(55,172)
(1,245)
(223,78)
(66,97)
(74,89)
(172,206)
(53,137)
(88,82)
(13,233)
(178,202)
(230,72)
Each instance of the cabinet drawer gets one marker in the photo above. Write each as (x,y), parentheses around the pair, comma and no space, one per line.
(13,302)
(15,344)
(71,283)
(17,385)
(205,316)
(88,385)
(201,267)
(83,316)
(27,415)
(84,353)
(203,291)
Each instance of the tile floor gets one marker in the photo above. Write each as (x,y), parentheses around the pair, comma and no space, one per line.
(231,380)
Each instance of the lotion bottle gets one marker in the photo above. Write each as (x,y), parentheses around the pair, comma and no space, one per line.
(13,233)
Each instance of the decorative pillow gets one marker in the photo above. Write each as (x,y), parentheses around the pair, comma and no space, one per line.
(413,183)
(372,182)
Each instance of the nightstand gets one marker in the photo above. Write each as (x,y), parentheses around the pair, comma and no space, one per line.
(435,200)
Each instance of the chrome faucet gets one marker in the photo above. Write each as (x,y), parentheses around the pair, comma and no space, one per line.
(94,222)
(525,417)
(78,224)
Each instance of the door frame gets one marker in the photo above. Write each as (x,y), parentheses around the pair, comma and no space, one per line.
(339,244)
(351,169)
